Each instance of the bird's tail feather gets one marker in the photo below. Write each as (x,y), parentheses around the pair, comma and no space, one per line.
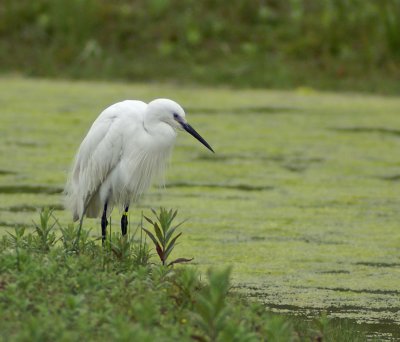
(73,203)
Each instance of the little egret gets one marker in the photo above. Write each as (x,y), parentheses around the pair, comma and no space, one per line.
(128,145)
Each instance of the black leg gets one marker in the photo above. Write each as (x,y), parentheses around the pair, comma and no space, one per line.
(104,224)
(124,221)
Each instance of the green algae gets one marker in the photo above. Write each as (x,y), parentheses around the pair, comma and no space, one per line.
(301,197)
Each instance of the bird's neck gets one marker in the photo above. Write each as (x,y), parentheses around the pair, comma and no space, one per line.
(161,132)
(154,126)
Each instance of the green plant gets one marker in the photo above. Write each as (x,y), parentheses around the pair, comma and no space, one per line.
(211,309)
(69,236)
(164,239)
(141,252)
(128,301)
(16,241)
(188,285)
(120,246)
(278,329)
(128,250)
(213,312)
(45,236)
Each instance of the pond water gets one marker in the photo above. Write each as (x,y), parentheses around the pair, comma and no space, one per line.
(301,197)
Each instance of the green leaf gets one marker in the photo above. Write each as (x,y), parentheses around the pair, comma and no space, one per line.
(161,254)
(179,261)
(163,220)
(171,246)
(148,220)
(154,212)
(180,223)
(152,237)
(159,234)
(169,234)
(172,216)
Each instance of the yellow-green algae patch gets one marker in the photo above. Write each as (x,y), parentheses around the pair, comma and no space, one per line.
(301,197)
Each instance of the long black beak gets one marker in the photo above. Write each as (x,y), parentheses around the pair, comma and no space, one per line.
(193,132)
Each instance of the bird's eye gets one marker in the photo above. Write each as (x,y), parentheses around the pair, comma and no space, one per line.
(176,116)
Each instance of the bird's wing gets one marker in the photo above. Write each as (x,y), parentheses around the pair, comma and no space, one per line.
(99,153)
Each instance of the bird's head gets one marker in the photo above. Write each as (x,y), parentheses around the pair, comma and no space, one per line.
(172,113)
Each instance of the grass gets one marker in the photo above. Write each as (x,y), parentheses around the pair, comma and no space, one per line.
(301,196)
(49,292)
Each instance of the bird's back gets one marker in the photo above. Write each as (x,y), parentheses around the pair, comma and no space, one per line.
(99,153)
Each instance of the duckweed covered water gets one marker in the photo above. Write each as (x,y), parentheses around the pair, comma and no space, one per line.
(301,197)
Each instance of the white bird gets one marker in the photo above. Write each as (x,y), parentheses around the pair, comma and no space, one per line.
(127,147)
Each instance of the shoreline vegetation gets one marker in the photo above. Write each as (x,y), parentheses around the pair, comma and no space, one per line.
(302,195)
(328,45)
(55,289)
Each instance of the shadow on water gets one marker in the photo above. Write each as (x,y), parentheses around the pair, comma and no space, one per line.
(300,164)
(279,238)
(392,178)
(29,144)
(296,163)
(244,156)
(241,187)
(243,110)
(29,189)
(20,208)
(12,224)
(334,272)
(379,130)
(30,208)
(7,173)
(381,292)
(378,264)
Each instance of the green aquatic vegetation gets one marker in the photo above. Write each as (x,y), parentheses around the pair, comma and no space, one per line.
(101,293)
(307,215)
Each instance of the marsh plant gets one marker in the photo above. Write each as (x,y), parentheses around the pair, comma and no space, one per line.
(114,292)
(17,241)
(212,312)
(71,242)
(129,249)
(164,237)
(45,236)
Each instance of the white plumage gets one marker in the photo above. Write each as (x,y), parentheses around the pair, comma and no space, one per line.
(127,147)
